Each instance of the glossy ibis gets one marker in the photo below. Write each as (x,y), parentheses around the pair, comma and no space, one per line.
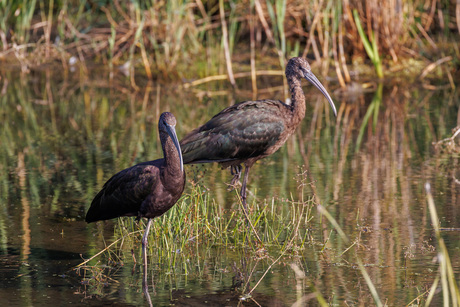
(147,189)
(251,130)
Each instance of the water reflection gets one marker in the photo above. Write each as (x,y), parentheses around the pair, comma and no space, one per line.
(62,139)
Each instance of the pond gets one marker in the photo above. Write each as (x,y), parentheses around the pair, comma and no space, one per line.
(63,136)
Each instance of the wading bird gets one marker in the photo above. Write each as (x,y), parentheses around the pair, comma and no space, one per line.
(147,189)
(251,130)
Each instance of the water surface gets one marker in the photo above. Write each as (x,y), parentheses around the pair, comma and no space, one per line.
(62,138)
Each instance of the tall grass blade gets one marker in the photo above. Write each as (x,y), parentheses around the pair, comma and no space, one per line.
(371,50)
(448,281)
(344,237)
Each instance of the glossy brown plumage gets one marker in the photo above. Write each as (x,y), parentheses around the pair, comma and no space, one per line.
(147,189)
(251,130)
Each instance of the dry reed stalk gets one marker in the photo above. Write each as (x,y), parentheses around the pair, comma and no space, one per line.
(228,59)
(121,11)
(430,18)
(146,61)
(325,62)
(107,248)
(112,22)
(237,75)
(260,13)
(451,80)
(49,23)
(342,55)
(427,37)
(253,55)
(432,66)
(336,61)
(200,6)
(268,32)
(457,15)
(311,37)
(74,30)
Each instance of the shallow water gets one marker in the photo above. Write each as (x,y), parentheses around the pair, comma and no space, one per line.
(62,138)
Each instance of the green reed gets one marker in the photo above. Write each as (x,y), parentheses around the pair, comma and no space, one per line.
(370,45)
(17,15)
(277,13)
(449,284)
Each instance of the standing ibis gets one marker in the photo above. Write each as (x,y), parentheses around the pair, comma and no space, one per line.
(251,130)
(147,189)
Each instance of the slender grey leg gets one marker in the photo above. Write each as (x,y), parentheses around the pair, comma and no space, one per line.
(144,245)
(145,287)
(243,188)
(146,234)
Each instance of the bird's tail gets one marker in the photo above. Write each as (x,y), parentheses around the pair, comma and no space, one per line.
(100,209)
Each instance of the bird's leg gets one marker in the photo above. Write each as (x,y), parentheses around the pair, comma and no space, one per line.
(243,188)
(144,243)
(235,170)
(144,256)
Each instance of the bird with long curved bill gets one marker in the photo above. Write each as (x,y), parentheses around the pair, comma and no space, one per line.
(147,189)
(251,130)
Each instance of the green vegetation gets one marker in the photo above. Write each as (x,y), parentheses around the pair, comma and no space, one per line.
(192,39)
(371,47)
(64,135)
(450,290)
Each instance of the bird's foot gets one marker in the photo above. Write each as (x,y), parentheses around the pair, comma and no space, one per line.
(235,170)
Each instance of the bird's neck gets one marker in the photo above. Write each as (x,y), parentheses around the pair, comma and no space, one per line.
(297,99)
(171,157)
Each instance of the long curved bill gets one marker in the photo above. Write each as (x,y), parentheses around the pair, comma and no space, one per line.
(313,80)
(172,133)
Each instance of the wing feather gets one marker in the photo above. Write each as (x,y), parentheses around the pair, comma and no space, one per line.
(124,192)
(241,131)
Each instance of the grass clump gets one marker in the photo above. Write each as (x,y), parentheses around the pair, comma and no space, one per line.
(183,239)
(197,221)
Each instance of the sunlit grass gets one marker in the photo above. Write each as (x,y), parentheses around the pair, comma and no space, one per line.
(182,239)
(197,220)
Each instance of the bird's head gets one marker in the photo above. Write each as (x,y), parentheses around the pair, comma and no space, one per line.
(300,68)
(166,125)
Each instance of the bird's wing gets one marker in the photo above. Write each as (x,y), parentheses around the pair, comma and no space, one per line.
(123,194)
(241,131)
